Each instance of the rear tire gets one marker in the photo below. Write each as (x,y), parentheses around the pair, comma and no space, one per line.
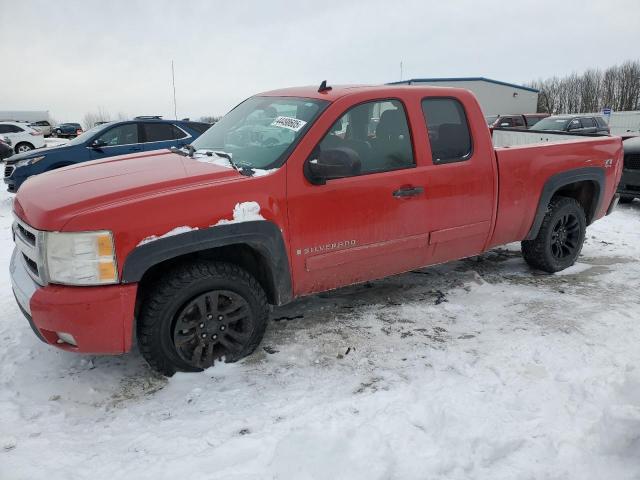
(560,238)
(23,147)
(626,199)
(198,313)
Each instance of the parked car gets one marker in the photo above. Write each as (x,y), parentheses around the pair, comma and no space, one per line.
(106,140)
(629,186)
(43,125)
(68,130)
(23,137)
(574,124)
(6,150)
(520,122)
(189,250)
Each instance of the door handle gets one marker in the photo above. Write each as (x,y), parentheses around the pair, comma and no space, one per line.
(408,192)
(135,149)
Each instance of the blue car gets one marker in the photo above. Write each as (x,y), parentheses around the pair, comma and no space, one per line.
(67,130)
(102,141)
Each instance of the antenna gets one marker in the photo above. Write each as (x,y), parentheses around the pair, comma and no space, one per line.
(400,70)
(173,80)
(323,87)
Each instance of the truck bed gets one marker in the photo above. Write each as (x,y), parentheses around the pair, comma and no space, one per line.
(523,170)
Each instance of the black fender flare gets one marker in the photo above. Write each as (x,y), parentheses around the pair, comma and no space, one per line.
(562,179)
(263,236)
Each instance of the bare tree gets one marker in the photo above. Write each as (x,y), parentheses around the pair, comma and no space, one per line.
(210,119)
(617,87)
(91,118)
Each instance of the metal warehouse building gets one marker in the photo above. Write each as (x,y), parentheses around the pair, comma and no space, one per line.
(495,97)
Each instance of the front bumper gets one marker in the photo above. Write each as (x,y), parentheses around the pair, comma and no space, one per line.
(100,319)
(629,183)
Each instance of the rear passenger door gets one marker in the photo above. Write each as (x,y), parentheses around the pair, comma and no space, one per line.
(461,181)
(159,135)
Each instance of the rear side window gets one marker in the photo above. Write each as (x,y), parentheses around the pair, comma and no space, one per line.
(601,122)
(588,122)
(161,132)
(448,130)
(505,122)
(8,128)
(199,127)
(518,122)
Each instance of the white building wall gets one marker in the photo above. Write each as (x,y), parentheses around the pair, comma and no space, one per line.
(494,98)
(24,115)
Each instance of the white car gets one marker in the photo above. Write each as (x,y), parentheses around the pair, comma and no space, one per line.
(43,125)
(23,137)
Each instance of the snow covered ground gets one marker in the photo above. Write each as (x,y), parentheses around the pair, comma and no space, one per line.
(480,368)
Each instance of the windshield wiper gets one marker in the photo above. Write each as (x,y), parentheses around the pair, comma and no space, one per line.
(180,150)
(248,172)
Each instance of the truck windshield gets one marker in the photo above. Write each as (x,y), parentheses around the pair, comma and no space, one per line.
(551,123)
(261,131)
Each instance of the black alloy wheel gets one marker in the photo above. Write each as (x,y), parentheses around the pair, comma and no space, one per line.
(565,236)
(214,325)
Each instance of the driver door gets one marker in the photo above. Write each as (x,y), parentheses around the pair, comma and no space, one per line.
(366,225)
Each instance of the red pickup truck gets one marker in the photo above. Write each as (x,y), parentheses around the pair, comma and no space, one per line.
(293,192)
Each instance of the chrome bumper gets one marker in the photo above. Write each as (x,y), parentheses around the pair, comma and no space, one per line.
(23,285)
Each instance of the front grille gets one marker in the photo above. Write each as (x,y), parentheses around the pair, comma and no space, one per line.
(8,170)
(632,161)
(33,266)
(29,242)
(29,236)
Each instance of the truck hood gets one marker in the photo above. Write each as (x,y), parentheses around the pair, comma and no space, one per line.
(48,201)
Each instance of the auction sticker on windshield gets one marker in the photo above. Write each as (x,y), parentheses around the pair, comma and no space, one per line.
(289,123)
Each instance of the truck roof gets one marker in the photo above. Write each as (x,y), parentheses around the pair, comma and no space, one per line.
(339,91)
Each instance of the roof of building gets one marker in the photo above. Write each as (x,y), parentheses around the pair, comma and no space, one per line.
(463,79)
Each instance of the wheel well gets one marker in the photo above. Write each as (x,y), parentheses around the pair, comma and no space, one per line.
(242,255)
(585,193)
(23,143)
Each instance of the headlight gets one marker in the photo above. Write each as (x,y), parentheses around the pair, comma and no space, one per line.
(84,258)
(29,161)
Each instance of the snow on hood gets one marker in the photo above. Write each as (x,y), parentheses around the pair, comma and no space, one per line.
(242,212)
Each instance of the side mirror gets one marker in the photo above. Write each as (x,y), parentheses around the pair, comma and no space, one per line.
(332,164)
(97,144)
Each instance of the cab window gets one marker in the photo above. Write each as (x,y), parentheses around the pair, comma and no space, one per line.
(377,132)
(448,130)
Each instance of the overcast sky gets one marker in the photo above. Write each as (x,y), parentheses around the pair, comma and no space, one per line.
(71,57)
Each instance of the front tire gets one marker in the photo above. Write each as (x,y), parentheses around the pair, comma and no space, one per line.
(626,199)
(560,238)
(199,313)
(23,147)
